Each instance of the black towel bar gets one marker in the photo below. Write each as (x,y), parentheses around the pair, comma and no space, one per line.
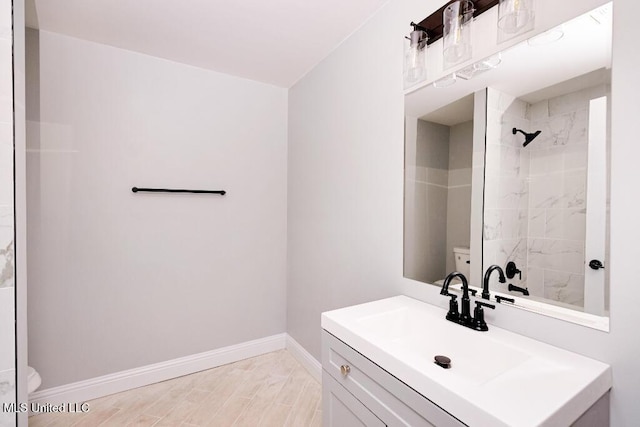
(170,190)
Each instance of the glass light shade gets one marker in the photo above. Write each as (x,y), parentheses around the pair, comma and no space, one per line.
(415,69)
(515,17)
(457,18)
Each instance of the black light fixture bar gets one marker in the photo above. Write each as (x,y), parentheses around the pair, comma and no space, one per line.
(171,190)
(433,23)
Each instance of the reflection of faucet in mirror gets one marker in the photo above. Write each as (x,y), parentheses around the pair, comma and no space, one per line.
(514,288)
(512,270)
(487,276)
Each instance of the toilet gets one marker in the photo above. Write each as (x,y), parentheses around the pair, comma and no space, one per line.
(33,380)
(462,257)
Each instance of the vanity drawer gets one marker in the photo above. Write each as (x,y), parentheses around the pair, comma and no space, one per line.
(391,400)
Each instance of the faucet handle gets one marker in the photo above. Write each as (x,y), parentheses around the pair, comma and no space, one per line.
(478,316)
(499,299)
(484,304)
(453,314)
(473,292)
(511,270)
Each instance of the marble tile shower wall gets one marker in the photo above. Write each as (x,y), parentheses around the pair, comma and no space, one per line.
(7,317)
(506,185)
(535,196)
(6,148)
(557,195)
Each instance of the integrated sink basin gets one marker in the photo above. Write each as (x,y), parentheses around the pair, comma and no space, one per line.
(472,361)
(496,377)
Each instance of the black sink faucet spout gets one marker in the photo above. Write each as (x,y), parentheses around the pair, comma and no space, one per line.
(464,316)
(445,285)
(465,313)
(487,276)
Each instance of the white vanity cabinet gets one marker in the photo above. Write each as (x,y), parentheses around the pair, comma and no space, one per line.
(378,370)
(357,392)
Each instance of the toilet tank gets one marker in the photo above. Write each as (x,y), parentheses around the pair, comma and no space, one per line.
(462,257)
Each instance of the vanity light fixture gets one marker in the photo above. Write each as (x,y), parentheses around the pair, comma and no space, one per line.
(452,22)
(415,68)
(457,18)
(515,17)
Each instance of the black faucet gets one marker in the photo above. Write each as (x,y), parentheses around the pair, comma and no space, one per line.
(453,313)
(487,276)
(464,317)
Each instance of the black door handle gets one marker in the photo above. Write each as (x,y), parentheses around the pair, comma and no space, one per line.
(596,264)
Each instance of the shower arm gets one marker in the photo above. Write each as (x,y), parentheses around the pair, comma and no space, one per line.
(528,137)
(514,131)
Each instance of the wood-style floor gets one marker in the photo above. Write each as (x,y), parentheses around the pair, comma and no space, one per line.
(268,390)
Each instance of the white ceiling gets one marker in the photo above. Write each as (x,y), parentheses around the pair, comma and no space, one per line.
(459,111)
(274,41)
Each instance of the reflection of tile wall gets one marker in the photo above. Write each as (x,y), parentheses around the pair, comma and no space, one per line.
(6,150)
(437,199)
(426,182)
(7,317)
(459,190)
(430,196)
(535,196)
(557,184)
(506,185)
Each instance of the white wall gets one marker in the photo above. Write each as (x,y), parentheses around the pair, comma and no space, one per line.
(121,280)
(346,177)
(345,195)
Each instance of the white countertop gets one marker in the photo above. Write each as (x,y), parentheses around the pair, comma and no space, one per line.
(497,378)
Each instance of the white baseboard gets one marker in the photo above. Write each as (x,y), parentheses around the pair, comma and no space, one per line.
(305,358)
(126,380)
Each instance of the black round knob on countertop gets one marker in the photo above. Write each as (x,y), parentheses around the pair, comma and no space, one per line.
(442,361)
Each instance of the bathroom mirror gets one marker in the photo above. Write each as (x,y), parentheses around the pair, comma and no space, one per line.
(480,194)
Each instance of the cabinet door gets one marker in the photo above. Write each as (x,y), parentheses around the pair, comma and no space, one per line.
(391,400)
(341,409)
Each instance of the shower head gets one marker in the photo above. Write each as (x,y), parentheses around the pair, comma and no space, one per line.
(528,137)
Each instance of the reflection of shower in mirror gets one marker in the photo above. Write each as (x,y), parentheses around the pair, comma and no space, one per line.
(528,137)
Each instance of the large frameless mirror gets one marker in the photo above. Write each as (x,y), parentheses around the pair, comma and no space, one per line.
(510,167)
